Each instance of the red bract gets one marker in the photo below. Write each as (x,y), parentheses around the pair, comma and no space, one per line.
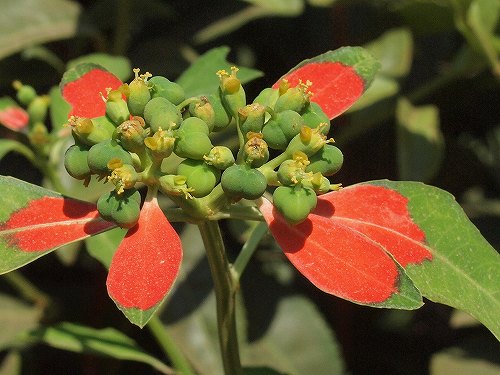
(347,245)
(83,88)
(14,118)
(146,263)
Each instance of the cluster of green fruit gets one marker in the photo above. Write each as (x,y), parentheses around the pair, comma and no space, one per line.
(149,124)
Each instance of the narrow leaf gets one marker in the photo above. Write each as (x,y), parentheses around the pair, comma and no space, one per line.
(145,265)
(106,342)
(9,145)
(464,271)
(83,87)
(332,250)
(338,78)
(201,79)
(35,221)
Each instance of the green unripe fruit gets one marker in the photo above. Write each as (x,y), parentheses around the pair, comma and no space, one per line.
(25,93)
(102,153)
(75,162)
(309,141)
(222,116)
(138,93)
(194,124)
(220,157)
(320,184)
(37,109)
(295,98)
(327,161)
(241,181)
(131,134)
(92,131)
(192,145)
(117,108)
(290,123)
(161,86)
(122,209)
(294,203)
(175,185)
(161,113)
(291,172)
(203,110)
(252,118)
(200,177)
(274,136)
(313,116)
(267,97)
(255,151)
(231,92)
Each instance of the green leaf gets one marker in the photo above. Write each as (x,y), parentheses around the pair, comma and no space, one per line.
(420,141)
(11,363)
(106,342)
(297,342)
(103,246)
(280,7)
(118,65)
(260,371)
(321,3)
(200,78)
(59,110)
(35,221)
(464,269)
(9,145)
(16,318)
(381,88)
(27,22)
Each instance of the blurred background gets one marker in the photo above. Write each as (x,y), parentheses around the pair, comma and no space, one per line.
(431,115)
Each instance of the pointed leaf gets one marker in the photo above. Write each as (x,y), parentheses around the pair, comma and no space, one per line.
(465,268)
(339,77)
(83,87)
(118,65)
(339,258)
(35,221)
(145,265)
(12,116)
(106,342)
(201,79)
(9,145)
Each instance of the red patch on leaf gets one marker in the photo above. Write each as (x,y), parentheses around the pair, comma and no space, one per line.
(14,118)
(146,264)
(51,222)
(84,94)
(335,86)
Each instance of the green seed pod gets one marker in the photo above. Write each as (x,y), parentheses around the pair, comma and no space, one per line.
(160,113)
(292,171)
(294,203)
(313,116)
(295,98)
(75,162)
(231,92)
(194,124)
(327,161)
(25,93)
(267,97)
(138,93)
(192,145)
(175,185)
(252,118)
(91,131)
(290,123)
(274,136)
(37,109)
(241,181)
(102,153)
(203,110)
(221,157)
(222,116)
(255,151)
(163,87)
(116,107)
(124,207)
(309,141)
(200,177)
(320,184)
(131,134)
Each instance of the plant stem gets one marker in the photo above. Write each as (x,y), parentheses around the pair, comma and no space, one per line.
(225,292)
(248,249)
(26,289)
(159,331)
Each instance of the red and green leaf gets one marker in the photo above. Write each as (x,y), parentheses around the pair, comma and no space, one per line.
(338,78)
(83,87)
(35,221)
(422,228)
(145,265)
(12,116)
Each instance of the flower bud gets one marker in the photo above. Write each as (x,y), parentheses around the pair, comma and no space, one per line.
(252,118)
(232,93)
(255,150)
(116,107)
(138,95)
(131,134)
(294,98)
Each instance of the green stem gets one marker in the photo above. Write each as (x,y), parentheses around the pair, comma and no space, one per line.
(159,331)
(225,287)
(248,249)
(26,289)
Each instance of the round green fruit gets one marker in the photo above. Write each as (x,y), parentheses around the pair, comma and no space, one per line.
(241,181)
(327,161)
(75,162)
(200,176)
(294,203)
(100,154)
